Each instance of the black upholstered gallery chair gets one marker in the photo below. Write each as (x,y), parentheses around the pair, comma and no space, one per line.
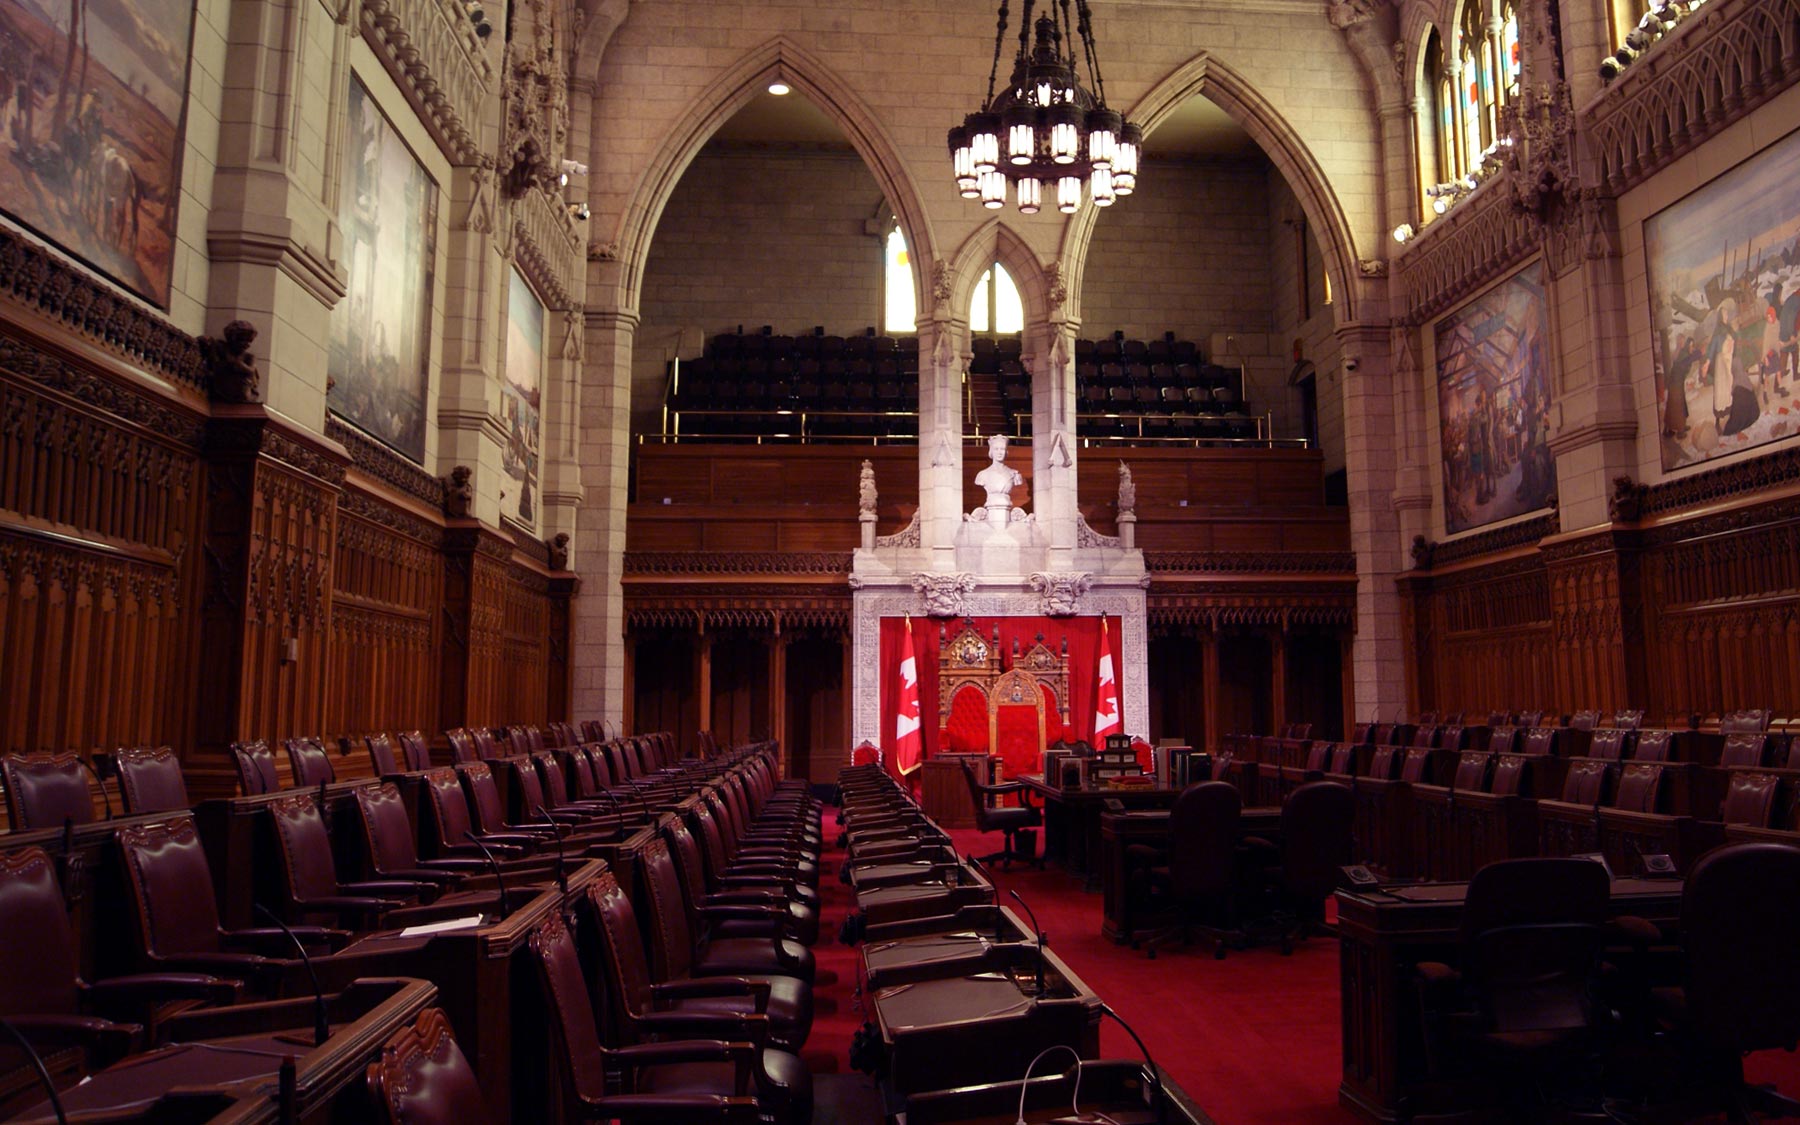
(1196,878)
(150,780)
(46,790)
(1009,822)
(255,767)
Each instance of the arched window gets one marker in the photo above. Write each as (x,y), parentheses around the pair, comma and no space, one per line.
(902,312)
(1439,95)
(1474,87)
(1509,50)
(996,302)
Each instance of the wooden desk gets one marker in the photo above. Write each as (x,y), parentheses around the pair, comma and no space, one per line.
(1382,935)
(1118,831)
(944,794)
(1072,820)
(1116,1088)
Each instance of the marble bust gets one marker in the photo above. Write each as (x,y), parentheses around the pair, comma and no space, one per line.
(999,479)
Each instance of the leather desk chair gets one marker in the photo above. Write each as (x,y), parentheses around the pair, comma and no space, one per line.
(1343,759)
(1316,841)
(1519,1005)
(1585,783)
(393,854)
(678,951)
(1383,762)
(714,822)
(1504,740)
(169,885)
(1611,744)
(1009,822)
(1511,776)
(693,1080)
(1628,720)
(462,746)
(311,764)
(46,790)
(150,780)
(489,811)
(1749,799)
(1472,768)
(1653,746)
(553,784)
(1584,720)
(1740,925)
(382,758)
(593,730)
(1413,767)
(42,992)
(447,828)
(255,767)
(422,1077)
(1318,757)
(778,915)
(487,746)
(528,796)
(1744,750)
(415,752)
(768,850)
(309,873)
(1542,742)
(1198,875)
(1640,787)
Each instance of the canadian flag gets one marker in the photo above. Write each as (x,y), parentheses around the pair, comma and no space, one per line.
(909,744)
(1106,700)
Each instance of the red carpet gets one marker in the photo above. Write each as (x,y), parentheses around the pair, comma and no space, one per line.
(1253,1039)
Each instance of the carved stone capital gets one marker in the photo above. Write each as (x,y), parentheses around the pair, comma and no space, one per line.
(943,593)
(1061,592)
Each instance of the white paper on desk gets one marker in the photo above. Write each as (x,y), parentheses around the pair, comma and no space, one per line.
(445,927)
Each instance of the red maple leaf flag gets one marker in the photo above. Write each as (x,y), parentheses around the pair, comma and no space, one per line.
(1106,700)
(909,743)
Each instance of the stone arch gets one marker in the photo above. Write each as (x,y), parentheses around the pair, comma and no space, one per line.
(994,241)
(779,59)
(1324,213)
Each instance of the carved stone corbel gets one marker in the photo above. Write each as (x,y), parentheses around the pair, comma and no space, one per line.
(231,365)
(943,593)
(1061,593)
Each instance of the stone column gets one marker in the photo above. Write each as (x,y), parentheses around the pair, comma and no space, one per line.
(1369,426)
(598,652)
(940,438)
(1053,438)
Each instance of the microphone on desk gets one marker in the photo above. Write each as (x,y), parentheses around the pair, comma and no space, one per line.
(1039,991)
(37,1064)
(321,1022)
(1153,1072)
(100,777)
(494,867)
(562,860)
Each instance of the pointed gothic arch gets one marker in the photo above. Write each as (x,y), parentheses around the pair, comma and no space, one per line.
(1205,74)
(778,59)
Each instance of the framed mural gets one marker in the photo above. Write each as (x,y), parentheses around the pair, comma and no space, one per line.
(380,358)
(1723,268)
(1493,404)
(93,97)
(521,400)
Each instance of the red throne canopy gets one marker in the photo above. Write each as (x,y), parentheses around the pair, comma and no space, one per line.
(961,664)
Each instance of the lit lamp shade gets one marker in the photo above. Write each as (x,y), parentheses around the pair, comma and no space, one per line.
(962,161)
(993,188)
(1101,184)
(1065,133)
(984,140)
(1103,137)
(1031,195)
(1068,194)
(1020,122)
(1125,161)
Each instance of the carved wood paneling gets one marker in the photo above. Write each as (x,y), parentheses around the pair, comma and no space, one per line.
(387,586)
(1482,637)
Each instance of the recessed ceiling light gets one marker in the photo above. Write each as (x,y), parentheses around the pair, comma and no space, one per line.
(779,88)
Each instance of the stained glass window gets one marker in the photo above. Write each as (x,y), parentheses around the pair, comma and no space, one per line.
(902,303)
(1509,48)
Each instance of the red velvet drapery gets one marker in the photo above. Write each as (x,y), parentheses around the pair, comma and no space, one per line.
(1082,633)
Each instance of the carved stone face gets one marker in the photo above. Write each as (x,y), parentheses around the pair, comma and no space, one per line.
(997,448)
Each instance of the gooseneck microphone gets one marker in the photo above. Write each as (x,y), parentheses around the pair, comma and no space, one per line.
(37,1064)
(1040,940)
(1155,1072)
(321,1021)
(105,795)
(494,868)
(562,860)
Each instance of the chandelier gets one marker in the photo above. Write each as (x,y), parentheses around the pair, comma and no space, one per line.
(1045,133)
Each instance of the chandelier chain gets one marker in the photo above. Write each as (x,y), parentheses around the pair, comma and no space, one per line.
(1024,35)
(1086,17)
(999,38)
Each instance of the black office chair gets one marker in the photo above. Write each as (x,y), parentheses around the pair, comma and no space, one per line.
(1740,927)
(1519,1010)
(1303,870)
(1007,821)
(1197,878)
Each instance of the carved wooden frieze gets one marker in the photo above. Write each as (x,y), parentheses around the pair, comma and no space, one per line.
(1480,239)
(379,463)
(737,562)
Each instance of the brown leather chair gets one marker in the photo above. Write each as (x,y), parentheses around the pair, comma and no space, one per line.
(41,991)
(46,790)
(255,767)
(714,1081)
(311,764)
(462,746)
(1504,740)
(780,916)
(449,822)
(1744,750)
(1472,768)
(1628,720)
(742,847)
(638,1007)
(309,872)
(489,809)
(382,758)
(1749,799)
(422,1077)
(1009,822)
(1197,876)
(1640,787)
(1542,742)
(1318,756)
(1584,720)
(1413,766)
(1740,923)
(1585,783)
(1343,759)
(393,854)
(1753,721)
(1654,746)
(1317,824)
(1383,762)
(487,747)
(1511,776)
(150,780)
(712,822)
(170,887)
(415,752)
(678,951)
(1611,744)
